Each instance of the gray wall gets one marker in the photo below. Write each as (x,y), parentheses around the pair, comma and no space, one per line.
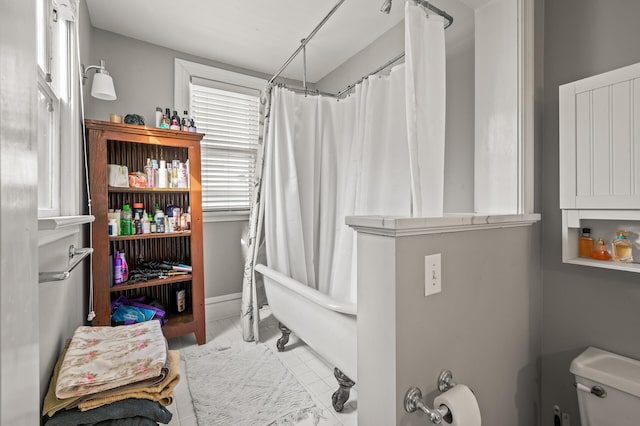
(18,214)
(143,75)
(582,306)
(484,326)
(460,101)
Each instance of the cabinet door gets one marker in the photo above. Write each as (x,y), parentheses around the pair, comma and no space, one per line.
(600,141)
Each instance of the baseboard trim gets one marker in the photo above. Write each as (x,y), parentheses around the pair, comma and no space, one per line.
(225,306)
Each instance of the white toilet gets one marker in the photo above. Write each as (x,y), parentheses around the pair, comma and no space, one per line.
(608,387)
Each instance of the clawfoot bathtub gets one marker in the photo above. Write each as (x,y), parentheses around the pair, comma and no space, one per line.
(327,325)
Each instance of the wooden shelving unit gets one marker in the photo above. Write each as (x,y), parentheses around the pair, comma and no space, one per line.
(111,143)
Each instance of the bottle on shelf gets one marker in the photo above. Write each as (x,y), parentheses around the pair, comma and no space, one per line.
(184,124)
(146,225)
(174,173)
(162,175)
(164,122)
(621,248)
(126,221)
(137,224)
(175,121)
(182,176)
(159,219)
(188,218)
(158,116)
(124,266)
(153,226)
(148,171)
(117,268)
(585,243)
(192,126)
(600,252)
(180,298)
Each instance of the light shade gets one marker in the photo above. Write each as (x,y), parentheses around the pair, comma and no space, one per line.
(102,87)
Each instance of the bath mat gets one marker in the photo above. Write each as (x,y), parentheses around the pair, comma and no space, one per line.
(245,384)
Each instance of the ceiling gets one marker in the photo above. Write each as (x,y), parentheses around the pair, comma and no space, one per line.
(257,35)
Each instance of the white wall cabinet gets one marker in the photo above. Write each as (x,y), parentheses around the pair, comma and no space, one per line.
(600,160)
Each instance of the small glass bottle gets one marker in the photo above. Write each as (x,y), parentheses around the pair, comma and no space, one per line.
(621,248)
(585,243)
(164,122)
(600,252)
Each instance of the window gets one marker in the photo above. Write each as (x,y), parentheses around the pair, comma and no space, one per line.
(54,110)
(230,122)
(226,108)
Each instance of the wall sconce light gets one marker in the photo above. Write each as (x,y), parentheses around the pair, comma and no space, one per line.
(102,87)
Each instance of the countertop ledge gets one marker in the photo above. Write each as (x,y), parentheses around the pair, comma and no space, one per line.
(404,226)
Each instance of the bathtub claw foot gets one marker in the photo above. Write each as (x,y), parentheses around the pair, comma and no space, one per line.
(284,339)
(342,394)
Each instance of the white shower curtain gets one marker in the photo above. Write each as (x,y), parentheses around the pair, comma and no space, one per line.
(380,151)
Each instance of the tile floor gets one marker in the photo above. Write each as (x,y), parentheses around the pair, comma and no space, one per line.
(310,370)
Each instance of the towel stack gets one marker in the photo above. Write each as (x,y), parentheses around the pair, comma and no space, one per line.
(113,375)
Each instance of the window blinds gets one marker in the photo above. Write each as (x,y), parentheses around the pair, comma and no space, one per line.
(230,122)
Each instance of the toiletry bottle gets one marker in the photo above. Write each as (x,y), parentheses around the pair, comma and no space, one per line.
(621,248)
(153,226)
(113,228)
(162,175)
(117,268)
(188,172)
(164,122)
(184,124)
(174,173)
(585,243)
(192,126)
(125,267)
(126,221)
(158,116)
(600,252)
(176,219)
(137,224)
(175,121)
(148,171)
(146,225)
(182,175)
(160,222)
(180,298)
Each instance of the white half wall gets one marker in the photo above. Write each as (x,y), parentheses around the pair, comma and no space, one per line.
(496,108)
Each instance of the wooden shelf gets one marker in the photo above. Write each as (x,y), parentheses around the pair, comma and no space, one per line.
(142,190)
(151,283)
(151,236)
(179,324)
(114,143)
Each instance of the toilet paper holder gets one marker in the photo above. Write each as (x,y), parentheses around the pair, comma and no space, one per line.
(413,399)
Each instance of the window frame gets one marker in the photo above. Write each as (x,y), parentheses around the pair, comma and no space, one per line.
(65,164)
(184,72)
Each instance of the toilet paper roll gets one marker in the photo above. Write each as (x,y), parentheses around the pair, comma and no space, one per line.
(462,405)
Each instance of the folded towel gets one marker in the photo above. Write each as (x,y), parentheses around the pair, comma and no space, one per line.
(161,392)
(103,358)
(120,410)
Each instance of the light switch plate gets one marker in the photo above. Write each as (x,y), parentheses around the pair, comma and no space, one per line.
(432,274)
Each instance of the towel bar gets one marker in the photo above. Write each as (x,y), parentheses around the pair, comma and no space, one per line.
(63,275)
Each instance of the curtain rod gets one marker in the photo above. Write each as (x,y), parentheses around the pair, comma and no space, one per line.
(304,42)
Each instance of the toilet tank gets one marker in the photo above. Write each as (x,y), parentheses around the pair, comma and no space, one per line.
(597,370)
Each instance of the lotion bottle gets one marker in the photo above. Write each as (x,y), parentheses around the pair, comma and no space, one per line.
(162,175)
